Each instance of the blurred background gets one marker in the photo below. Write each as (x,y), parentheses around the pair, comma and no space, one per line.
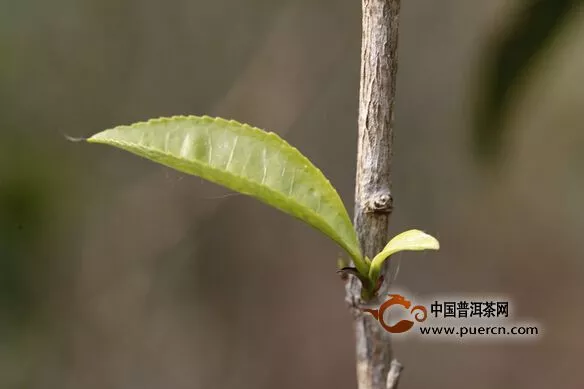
(119,273)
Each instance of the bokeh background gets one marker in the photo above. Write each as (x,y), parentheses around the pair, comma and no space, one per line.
(119,273)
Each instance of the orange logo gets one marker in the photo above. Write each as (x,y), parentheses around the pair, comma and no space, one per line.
(402,325)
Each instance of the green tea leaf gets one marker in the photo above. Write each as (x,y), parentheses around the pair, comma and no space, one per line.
(412,240)
(247,160)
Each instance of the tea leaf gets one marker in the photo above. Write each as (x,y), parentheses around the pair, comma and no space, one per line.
(412,240)
(247,160)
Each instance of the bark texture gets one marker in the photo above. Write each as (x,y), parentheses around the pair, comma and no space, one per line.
(373,197)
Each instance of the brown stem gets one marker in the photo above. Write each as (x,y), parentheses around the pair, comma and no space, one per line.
(373,197)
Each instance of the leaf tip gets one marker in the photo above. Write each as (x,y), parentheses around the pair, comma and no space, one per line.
(97,138)
(415,240)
